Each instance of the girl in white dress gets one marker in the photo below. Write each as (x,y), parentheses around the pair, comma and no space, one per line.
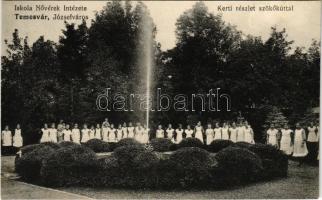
(98,134)
(170,132)
(130,131)
(6,137)
(45,137)
(225,132)
(106,123)
(85,134)
(188,132)
(312,143)
(159,132)
(249,134)
(299,149)
(272,133)
(112,134)
(67,133)
(233,132)
(179,134)
(76,134)
(286,140)
(124,130)
(105,129)
(60,129)
(199,132)
(92,132)
(138,132)
(53,133)
(240,133)
(17,138)
(119,133)
(217,131)
(145,136)
(210,134)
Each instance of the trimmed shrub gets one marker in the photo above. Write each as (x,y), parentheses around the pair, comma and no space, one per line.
(97,145)
(67,144)
(126,154)
(32,147)
(109,172)
(235,166)
(218,145)
(174,147)
(74,165)
(161,144)
(112,146)
(275,162)
(168,174)
(127,141)
(29,164)
(245,145)
(191,142)
(195,164)
(137,166)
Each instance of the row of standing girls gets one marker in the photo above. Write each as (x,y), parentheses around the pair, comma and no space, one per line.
(106,132)
(9,140)
(241,132)
(295,142)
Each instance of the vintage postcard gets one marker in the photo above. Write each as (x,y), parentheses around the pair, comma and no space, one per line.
(160,99)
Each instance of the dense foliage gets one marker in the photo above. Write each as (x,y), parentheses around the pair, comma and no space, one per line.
(98,145)
(69,166)
(29,164)
(236,166)
(46,81)
(218,145)
(134,166)
(190,142)
(161,144)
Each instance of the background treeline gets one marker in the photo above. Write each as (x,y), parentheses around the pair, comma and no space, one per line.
(47,81)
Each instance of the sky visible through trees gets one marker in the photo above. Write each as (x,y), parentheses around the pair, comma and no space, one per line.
(47,81)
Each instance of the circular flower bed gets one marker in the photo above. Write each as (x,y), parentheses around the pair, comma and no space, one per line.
(133,165)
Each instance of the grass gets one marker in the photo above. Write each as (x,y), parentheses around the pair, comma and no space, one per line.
(302,182)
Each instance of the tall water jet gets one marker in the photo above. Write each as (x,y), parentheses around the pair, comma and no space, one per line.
(147,58)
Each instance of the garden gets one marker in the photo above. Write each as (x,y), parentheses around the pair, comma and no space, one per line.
(160,164)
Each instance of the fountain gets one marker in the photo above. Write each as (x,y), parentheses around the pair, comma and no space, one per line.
(146,60)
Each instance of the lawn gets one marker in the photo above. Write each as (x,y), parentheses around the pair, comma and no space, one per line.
(302,182)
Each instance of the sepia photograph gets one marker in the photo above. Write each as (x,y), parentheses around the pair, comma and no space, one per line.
(160,99)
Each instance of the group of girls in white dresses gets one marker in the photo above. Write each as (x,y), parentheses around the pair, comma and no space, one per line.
(9,140)
(236,133)
(293,141)
(106,132)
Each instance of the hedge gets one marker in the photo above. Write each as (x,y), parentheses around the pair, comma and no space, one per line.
(161,144)
(32,147)
(74,165)
(194,166)
(127,141)
(191,142)
(275,162)
(236,166)
(218,145)
(133,165)
(137,166)
(67,144)
(97,145)
(29,164)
